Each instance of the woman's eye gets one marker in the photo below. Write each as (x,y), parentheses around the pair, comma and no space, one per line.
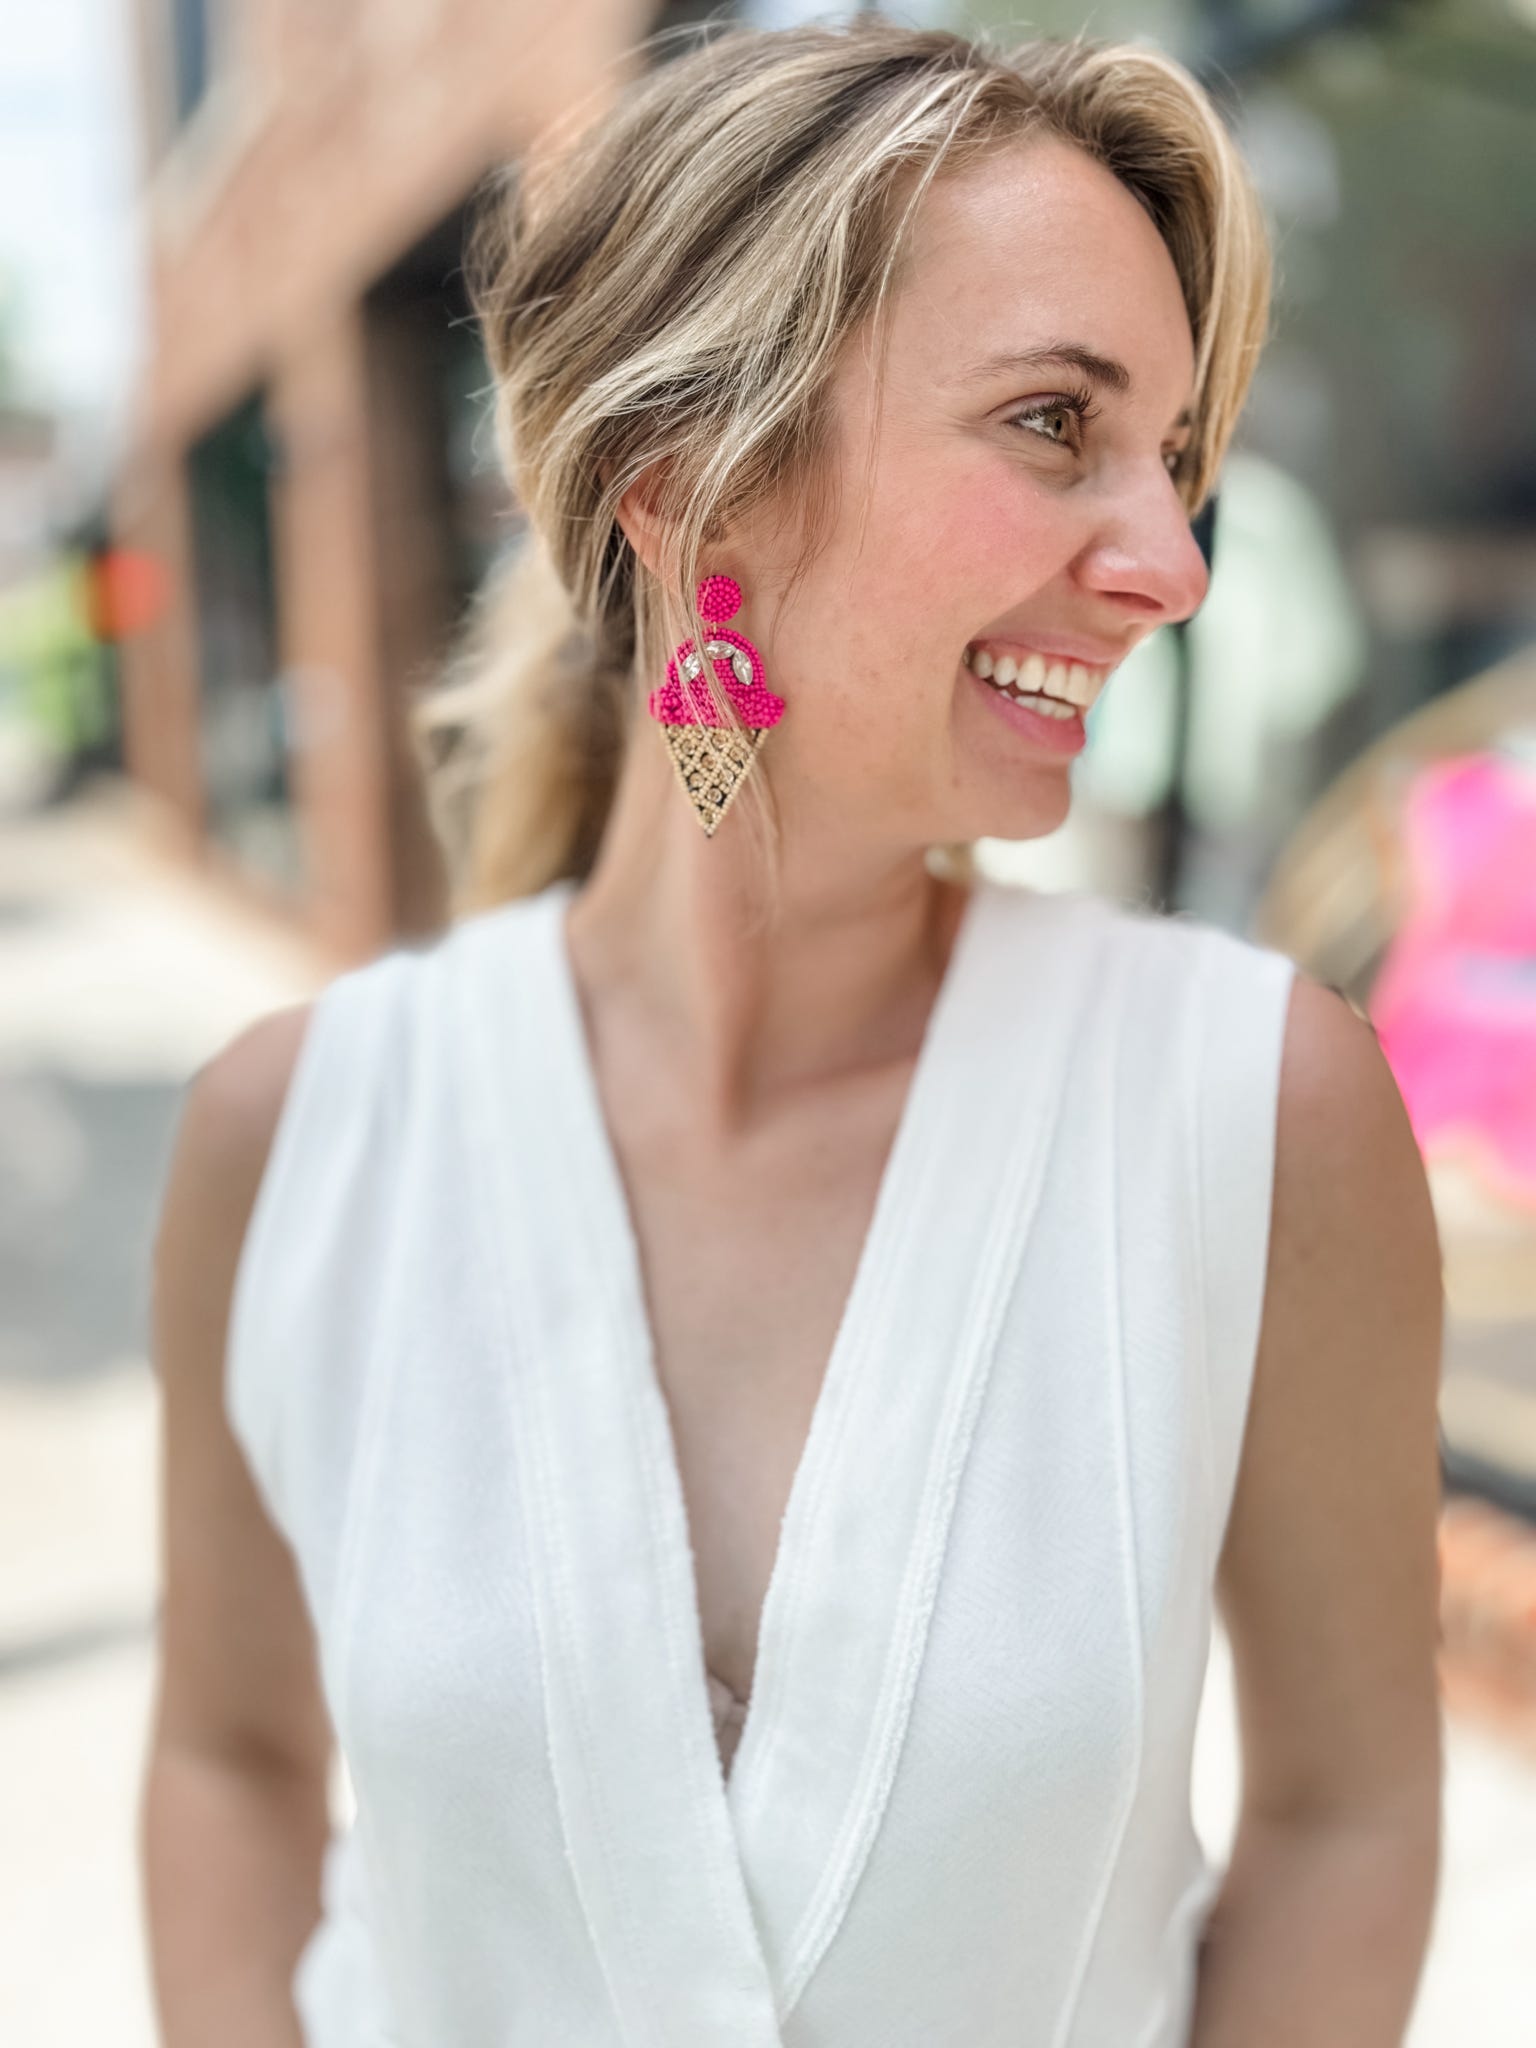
(1045,412)
(1064,410)
(1059,418)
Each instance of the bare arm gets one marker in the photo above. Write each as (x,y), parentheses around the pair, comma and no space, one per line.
(1328,1582)
(233,1817)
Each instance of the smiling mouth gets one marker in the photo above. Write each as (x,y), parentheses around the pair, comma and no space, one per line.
(1058,689)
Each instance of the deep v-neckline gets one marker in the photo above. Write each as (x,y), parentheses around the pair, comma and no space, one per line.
(713,1900)
(614,1228)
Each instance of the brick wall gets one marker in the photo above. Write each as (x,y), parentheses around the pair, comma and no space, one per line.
(328,144)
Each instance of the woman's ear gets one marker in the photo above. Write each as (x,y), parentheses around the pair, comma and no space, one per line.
(640,515)
(648,523)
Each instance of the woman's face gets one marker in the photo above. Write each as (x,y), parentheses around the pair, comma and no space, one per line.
(991,512)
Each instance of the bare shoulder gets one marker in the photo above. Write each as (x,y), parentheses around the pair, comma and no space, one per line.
(1328,1579)
(1352,1214)
(232,1105)
(238,1674)
(230,1111)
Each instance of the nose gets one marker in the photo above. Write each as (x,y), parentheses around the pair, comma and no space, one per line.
(1146,557)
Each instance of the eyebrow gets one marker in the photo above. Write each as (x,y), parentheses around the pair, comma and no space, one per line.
(1075,355)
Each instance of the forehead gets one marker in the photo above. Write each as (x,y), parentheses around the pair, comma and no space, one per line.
(1033,241)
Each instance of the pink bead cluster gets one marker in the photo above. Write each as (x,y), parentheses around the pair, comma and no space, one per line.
(684,700)
(719,599)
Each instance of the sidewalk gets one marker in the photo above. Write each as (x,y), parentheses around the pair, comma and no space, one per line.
(121,974)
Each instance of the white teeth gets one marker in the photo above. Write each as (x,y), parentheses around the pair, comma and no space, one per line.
(1072,683)
(1037,702)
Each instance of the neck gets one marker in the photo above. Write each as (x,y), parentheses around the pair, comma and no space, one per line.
(675,945)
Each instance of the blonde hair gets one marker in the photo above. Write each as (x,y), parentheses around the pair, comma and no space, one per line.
(670,290)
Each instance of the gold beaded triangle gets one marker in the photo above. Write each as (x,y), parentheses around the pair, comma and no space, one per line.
(712,763)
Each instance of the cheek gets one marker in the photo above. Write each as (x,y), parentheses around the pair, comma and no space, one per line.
(960,558)
(1004,536)
(935,566)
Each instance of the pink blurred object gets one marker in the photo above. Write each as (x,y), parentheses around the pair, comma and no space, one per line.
(1454,1002)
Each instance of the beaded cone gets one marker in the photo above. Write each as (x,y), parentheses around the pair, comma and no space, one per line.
(713,758)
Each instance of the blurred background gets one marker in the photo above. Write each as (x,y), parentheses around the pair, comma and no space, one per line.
(247,487)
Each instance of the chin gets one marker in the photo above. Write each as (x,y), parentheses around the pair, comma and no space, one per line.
(1031,814)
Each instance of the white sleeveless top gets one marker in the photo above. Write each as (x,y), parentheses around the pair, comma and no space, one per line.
(960,1807)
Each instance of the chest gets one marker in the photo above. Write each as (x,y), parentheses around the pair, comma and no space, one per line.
(748,1255)
(982,1616)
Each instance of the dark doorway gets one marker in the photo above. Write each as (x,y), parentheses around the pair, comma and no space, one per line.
(441,515)
(243,725)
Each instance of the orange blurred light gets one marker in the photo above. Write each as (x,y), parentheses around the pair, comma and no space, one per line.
(127,593)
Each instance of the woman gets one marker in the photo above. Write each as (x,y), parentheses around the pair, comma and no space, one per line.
(723,1381)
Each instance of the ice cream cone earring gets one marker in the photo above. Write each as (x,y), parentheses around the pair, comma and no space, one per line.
(712,758)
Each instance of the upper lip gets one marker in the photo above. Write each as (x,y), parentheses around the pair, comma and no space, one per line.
(1086,652)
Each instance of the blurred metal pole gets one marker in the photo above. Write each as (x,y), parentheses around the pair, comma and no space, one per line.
(1171,830)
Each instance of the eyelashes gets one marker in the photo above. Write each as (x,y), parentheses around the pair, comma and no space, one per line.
(1078,405)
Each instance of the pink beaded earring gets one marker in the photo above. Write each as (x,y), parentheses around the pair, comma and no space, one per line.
(712,758)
